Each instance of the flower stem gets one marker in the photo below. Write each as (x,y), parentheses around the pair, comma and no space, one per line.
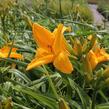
(94,99)
(51,84)
(60,8)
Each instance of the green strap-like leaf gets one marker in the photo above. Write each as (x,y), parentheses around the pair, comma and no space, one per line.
(20,74)
(42,99)
(83,96)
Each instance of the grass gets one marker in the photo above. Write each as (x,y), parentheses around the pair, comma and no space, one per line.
(71,8)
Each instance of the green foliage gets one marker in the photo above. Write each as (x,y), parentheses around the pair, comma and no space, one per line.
(45,87)
(75,9)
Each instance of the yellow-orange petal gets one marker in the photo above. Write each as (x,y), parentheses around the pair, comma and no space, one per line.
(40,52)
(7,49)
(103,58)
(59,38)
(92,59)
(43,37)
(57,45)
(2,55)
(90,37)
(63,64)
(40,61)
(12,55)
(63,29)
(66,29)
(15,55)
(4,52)
(101,55)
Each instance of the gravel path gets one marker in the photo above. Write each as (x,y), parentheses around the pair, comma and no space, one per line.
(98,18)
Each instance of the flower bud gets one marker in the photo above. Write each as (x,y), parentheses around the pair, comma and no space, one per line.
(63,104)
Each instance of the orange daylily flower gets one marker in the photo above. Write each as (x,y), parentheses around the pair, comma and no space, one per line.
(5,51)
(77,47)
(97,56)
(94,41)
(81,47)
(52,48)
